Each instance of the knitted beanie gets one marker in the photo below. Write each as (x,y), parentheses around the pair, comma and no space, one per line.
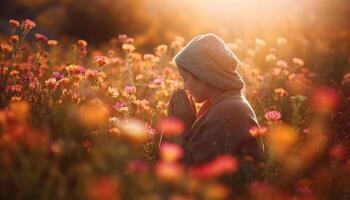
(207,57)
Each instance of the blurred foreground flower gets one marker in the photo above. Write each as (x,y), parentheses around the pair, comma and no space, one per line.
(324,99)
(138,166)
(134,130)
(20,109)
(216,191)
(170,152)
(171,126)
(103,188)
(281,139)
(338,152)
(169,171)
(219,166)
(93,114)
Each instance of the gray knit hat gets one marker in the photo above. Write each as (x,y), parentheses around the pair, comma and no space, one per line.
(208,57)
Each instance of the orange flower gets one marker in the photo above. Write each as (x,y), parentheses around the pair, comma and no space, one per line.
(14,23)
(82,43)
(52,43)
(280,92)
(14,39)
(5,48)
(171,126)
(27,24)
(256,131)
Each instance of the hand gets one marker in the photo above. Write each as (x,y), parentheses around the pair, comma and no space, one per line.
(182,107)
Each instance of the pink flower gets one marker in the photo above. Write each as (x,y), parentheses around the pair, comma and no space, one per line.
(51,83)
(40,37)
(273,115)
(130,89)
(120,105)
(158,81)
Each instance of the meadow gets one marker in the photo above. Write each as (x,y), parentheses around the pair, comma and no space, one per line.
(79,122)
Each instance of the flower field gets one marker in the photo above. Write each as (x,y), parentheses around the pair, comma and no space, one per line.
(79,122)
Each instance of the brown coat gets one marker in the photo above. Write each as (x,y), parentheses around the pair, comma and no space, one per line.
(222,127)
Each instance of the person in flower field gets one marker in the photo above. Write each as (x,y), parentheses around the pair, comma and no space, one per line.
(221,126)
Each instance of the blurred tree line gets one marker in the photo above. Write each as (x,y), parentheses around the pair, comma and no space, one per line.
(318,29)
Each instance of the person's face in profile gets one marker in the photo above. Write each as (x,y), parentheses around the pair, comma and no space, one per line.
(198,89)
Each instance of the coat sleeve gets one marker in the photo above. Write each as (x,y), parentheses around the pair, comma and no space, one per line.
(223,132)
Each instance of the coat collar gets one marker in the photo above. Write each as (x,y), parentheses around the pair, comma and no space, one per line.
(207,106)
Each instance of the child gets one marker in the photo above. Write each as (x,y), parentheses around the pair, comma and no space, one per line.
(208,68)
